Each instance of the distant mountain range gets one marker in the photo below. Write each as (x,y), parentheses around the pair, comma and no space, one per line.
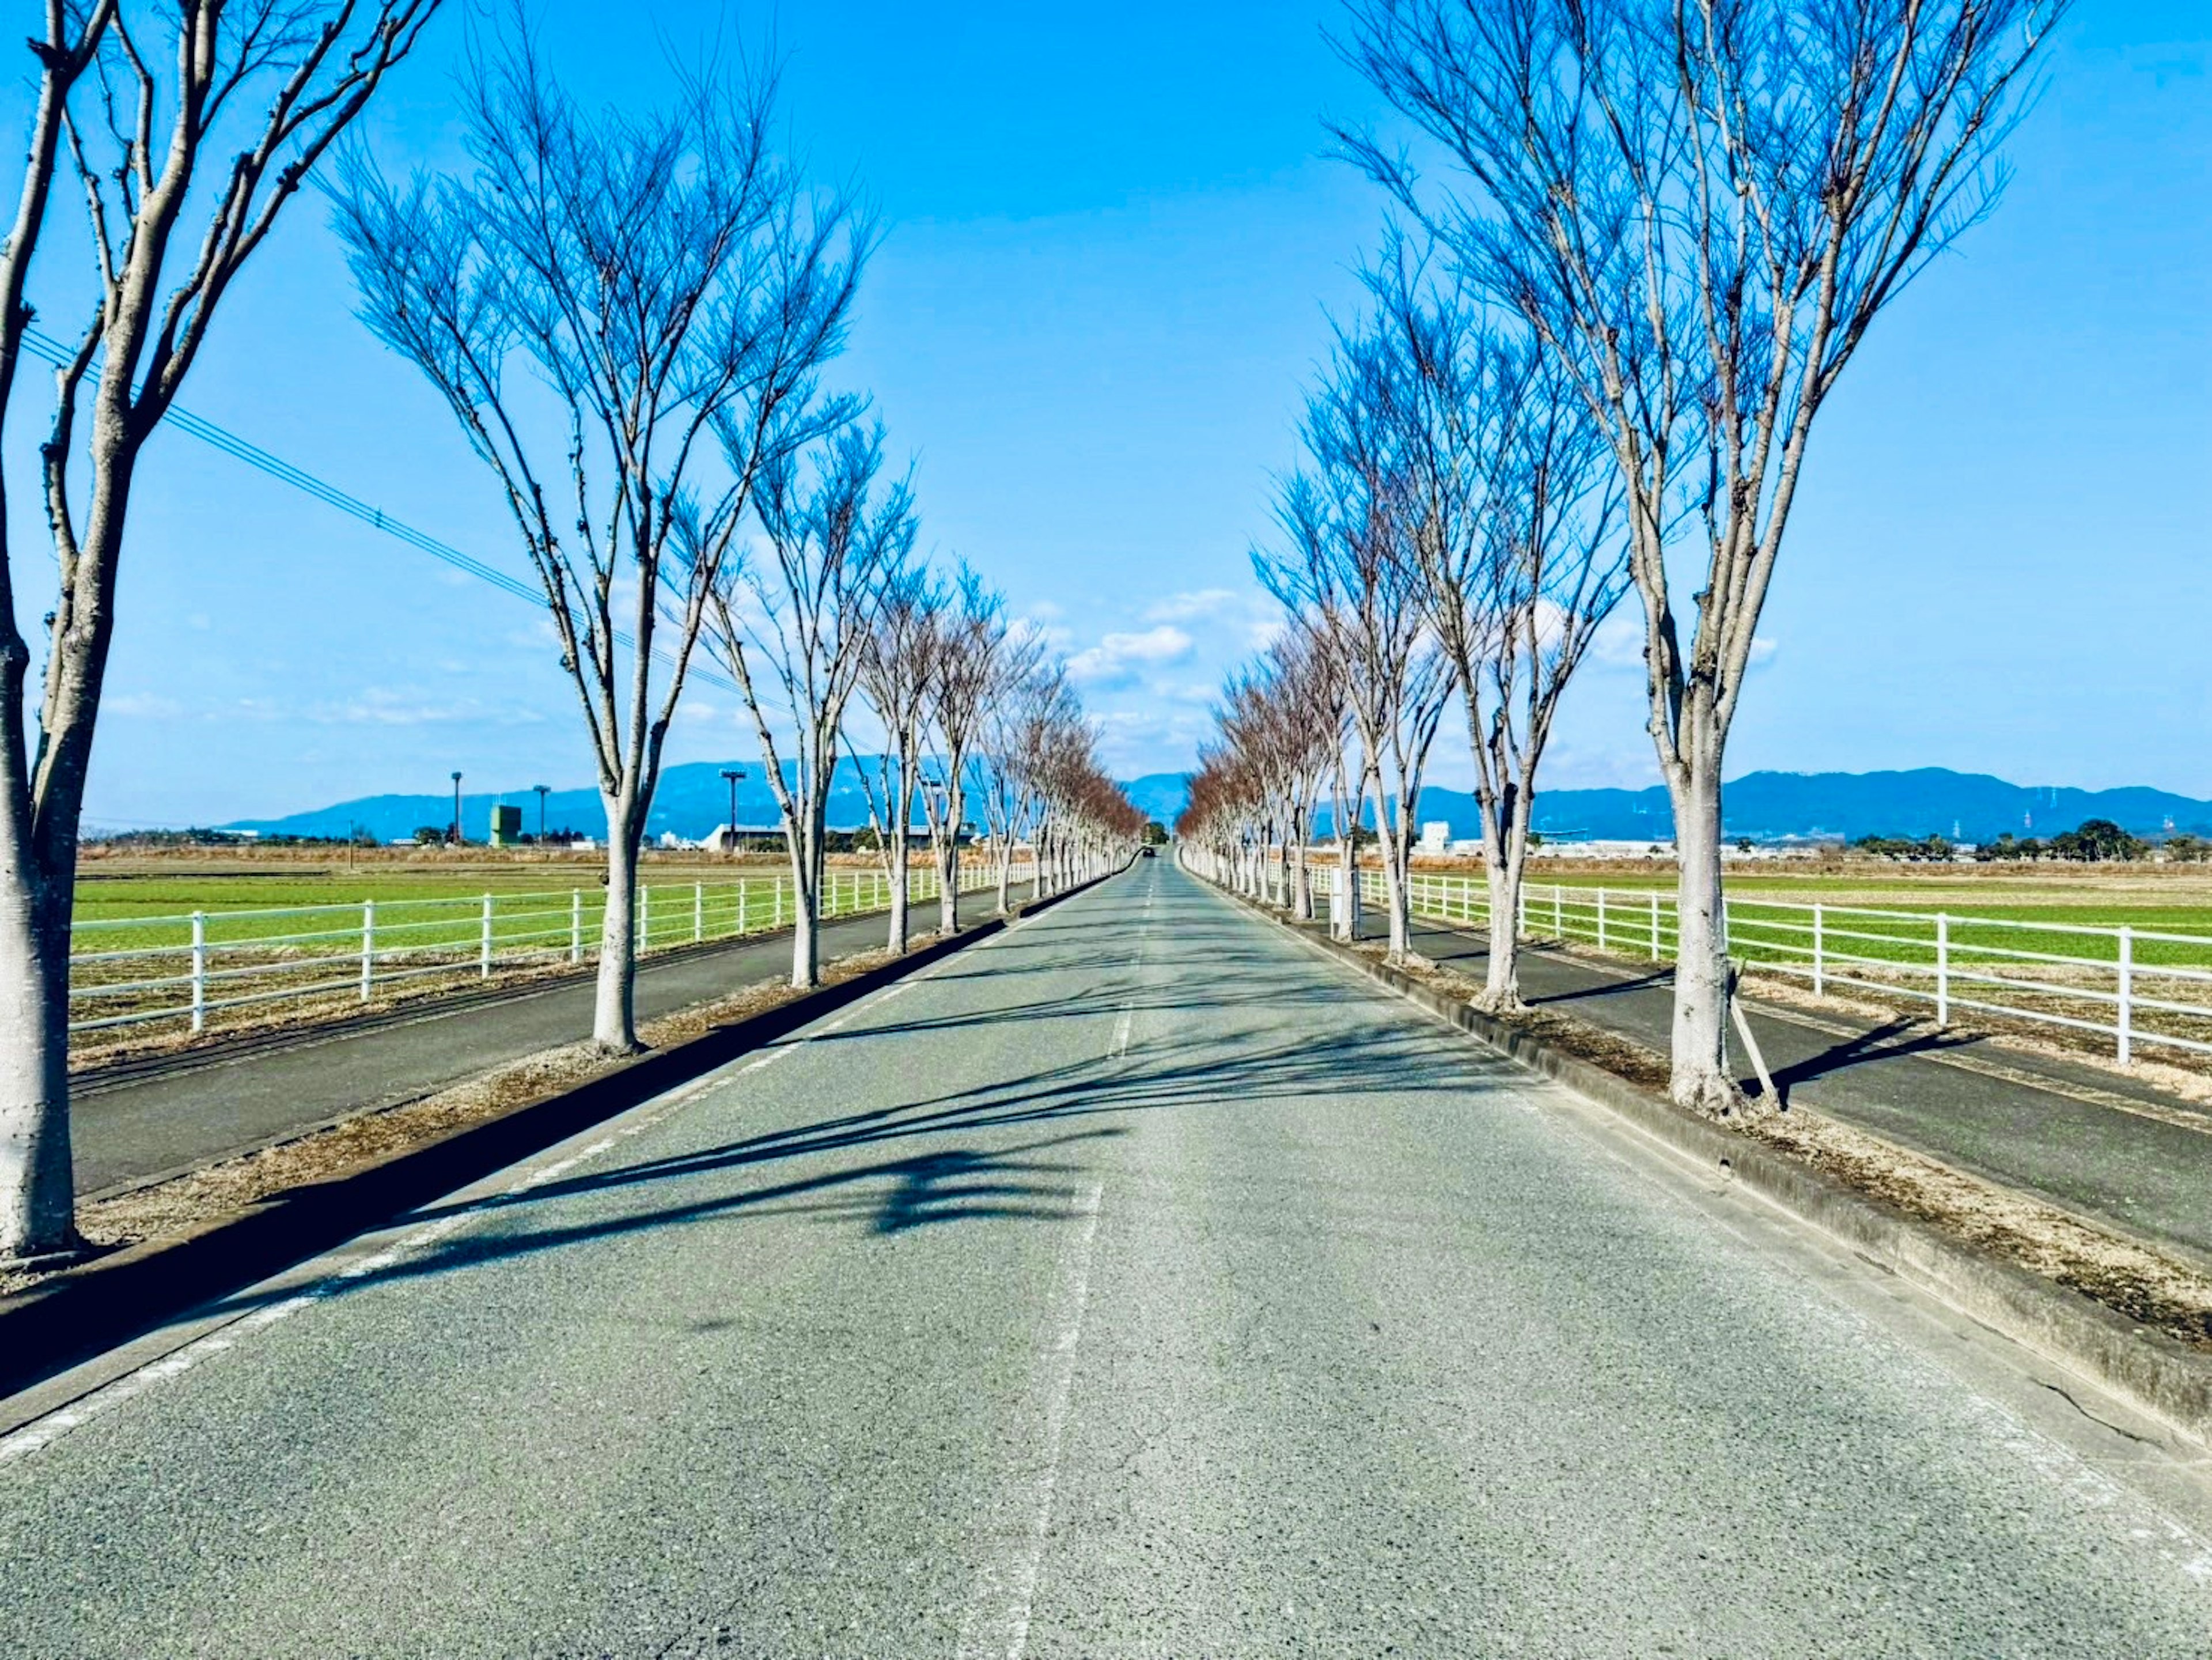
(693,799)
(1770,805)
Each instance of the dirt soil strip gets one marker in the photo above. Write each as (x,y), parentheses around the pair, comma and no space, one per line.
(1981,1247)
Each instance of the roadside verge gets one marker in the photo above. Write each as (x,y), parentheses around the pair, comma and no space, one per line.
(2145,1367)
(83,1311)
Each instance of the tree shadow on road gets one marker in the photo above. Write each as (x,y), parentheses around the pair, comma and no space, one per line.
(952,1177)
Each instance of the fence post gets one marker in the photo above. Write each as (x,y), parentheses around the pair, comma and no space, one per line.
(1942,969)
(199,971)
(1601,919)
(368,947)
(2124,1020)
(575,925)
(745,893)
(1655,925)
(644,919)
(1559,915)
(1521,920)
(483,947)
(1819,963)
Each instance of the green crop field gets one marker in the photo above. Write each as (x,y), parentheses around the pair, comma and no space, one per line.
(276,930)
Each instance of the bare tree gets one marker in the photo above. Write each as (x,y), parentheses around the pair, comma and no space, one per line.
(1520,535)
(898,666)
(149,107)
(1030,699)
(1701,207)
(674,290)
(1351,569)
(795,621)
(970,669)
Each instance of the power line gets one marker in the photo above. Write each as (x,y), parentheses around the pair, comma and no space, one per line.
(52,351)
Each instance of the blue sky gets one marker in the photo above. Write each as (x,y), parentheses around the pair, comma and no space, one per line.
(1112,253)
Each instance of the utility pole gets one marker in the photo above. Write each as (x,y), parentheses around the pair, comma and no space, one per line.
(541,789)
(733,773)
(456,809)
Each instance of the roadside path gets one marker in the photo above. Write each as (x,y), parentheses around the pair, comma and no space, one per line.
(144,1125)
(2095,1142)
(1136,1282)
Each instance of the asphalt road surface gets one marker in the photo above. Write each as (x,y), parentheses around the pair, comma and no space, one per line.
(144,1122)
(1134,1283)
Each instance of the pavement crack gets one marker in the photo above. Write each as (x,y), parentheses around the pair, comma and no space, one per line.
(2067,1395)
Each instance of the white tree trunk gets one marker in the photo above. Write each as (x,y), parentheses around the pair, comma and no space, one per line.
(614,1000)
(895,942)
(37,1199)
(1501,979)
(806,868)
(1700,1079)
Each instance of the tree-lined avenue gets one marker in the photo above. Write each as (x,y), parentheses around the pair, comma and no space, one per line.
(1134,1282)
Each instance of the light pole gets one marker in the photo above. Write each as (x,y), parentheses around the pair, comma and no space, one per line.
(541,789)
(733,773)
(456,809)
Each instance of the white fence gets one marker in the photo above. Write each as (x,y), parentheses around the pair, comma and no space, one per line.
(209,967)
(2139,987)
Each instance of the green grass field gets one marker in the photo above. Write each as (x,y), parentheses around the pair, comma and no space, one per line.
(137,924)
(286,929)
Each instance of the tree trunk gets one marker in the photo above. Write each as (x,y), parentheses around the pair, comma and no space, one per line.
(1699,1079)
(1501,980)
(896,939)
(37,1179)
(948,896)
(806,868)
(1301,881)
(614,1003)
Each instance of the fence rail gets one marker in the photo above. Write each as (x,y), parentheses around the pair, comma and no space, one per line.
(2140,989)
(195,971)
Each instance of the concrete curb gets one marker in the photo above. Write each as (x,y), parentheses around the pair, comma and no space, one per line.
(2148,1370)
(83,1311)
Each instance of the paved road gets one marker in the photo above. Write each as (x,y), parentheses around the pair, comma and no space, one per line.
(2101,1145)
(144,1125)
(1137,1283)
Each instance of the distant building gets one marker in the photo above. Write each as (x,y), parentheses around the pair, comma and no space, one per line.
(506,826)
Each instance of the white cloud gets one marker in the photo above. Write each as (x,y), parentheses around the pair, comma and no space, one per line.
(1619,643)
(1189,607)
(380,706)
(1116,656)
(141,706)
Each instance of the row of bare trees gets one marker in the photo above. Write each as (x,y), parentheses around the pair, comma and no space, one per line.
(628,313)
(1603,326)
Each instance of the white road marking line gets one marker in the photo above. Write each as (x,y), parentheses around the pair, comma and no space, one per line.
(1007,1630)
(1121,1046)
(42,1432)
